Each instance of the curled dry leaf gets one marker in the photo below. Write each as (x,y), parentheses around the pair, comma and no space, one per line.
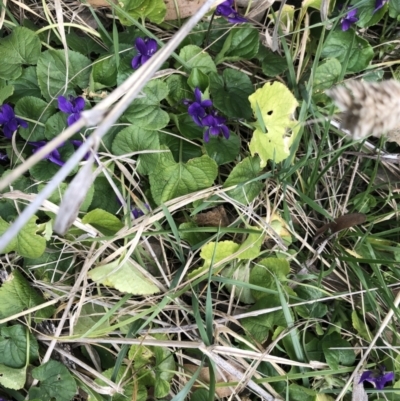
(369,108)
(341,223)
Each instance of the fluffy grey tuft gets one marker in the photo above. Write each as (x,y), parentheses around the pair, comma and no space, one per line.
(369,108)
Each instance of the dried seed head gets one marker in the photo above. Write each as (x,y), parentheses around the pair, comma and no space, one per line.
(369,108)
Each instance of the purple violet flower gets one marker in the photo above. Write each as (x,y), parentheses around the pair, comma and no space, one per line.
(3,158)
(349,19)
(9,121)
(379,4)
(226,10)
(53,156)
(138,212)
(145,49)
(378,378)
(72,106)
(215,126)
(197,109)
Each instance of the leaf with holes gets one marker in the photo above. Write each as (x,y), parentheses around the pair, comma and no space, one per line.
(276,104)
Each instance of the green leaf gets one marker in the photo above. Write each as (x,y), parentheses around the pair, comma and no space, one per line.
(5,92)
(170,179)
(125,278)
(131,390)
(214,252)
(135,139)
(272,64)
(35,109)
(196,57)
(326,75)
(53,74)
(27,243)
(239,273)
(299,393)
(56,383)
(104,196)
(104,71)
(361,327)
(178,89)
(187,127)
(83,44)
(344,357)
(260,326)
(51,266)
(315,310)
(197,79)
(164,371)
(230,93)
(153,10)
(251,247)
(21,47)
(276,105)
(223,150)
(394,9)
(90,314)
(241,44)
(25,85)
(363,202)
(241,174)
(13,346)
(17,295)
(103,221)
(13,379)
(192,237)
(264,272)
(145,112)
(337,46)
(181,149)
(366,13)
(54,125)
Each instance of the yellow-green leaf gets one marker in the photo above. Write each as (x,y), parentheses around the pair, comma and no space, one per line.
(276,104)
(12,378)
(27,243)
(124,277)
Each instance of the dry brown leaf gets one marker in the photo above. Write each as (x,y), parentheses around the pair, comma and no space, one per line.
(341,223)
(204,377)
(216,217)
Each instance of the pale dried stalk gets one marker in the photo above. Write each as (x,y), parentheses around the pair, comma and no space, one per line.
(132,86)
(368,108)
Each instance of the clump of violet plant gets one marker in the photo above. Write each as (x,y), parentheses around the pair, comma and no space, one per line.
(206,117)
